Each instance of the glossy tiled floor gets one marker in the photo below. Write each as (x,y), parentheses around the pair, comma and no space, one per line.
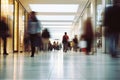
(57,65)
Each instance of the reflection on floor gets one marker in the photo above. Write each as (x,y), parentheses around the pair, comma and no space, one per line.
(57,65)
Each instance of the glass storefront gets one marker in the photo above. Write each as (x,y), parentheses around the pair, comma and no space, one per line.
(100,36)
(16,27)
(21,27)
(99,20)
(16,19)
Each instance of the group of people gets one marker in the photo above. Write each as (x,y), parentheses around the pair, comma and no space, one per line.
(87,36)
(111,23)
(56,45)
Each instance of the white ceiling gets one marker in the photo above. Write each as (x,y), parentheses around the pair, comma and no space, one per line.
(56,20)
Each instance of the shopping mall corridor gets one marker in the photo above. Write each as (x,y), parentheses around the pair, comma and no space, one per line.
(57,65)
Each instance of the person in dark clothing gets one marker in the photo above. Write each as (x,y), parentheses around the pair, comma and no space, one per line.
(75,41)
(112,24)
(45,39)
(4,33)
(88,34)
(65,39)
(50,46)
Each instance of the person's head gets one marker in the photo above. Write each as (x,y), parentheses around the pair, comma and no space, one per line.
(32,15)
(75,36)
(46,29)
(87,24)
(88,20)
(65,33)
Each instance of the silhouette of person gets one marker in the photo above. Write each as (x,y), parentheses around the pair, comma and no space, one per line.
(4,33)
(45,39)
(112,24)
(88,33)
(34,30)
(75,41)
(65,39)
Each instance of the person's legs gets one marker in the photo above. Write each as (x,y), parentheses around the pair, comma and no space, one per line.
(65,47)
(89,43)
(33,50)
(32,45)
(46,46)
(5,45)
(113,41)
(75,47)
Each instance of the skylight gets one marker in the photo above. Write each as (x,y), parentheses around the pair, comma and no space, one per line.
(63,27)
(67,23)
(54,7)
(57,23)
(55,17)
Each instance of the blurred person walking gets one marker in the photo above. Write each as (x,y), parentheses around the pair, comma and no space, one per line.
(112,24)
(45,39)
(34,31)
(65,39)
(4,34)
(88,34)
(75,45)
